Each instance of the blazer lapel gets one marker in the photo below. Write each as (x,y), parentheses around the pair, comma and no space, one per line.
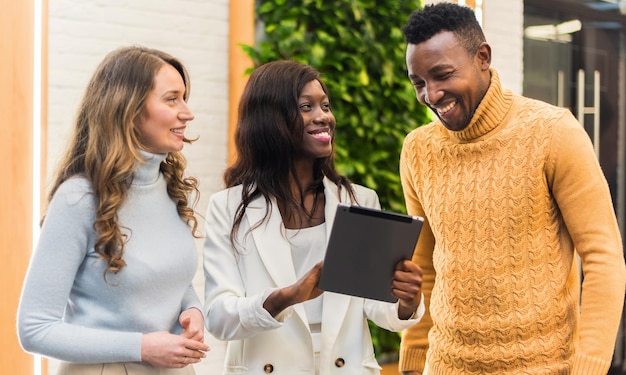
(273,248)
(332,200)
(335,305)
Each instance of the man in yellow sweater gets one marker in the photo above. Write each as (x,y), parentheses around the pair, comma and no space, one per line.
(511,190)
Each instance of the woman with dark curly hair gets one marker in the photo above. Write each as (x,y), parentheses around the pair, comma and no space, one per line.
(267,234)
(109,283)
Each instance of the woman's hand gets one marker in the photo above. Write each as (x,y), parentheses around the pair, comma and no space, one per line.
(164,349)
(407,287)
(192,322)
(302,290)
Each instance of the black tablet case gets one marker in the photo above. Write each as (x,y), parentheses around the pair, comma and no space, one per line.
(364,246)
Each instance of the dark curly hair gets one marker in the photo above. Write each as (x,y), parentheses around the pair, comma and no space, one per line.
(425,23)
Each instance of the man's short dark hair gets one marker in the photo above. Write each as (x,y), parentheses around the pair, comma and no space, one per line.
(435,18)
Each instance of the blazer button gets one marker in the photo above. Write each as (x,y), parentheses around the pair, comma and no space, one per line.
(339,362)
(268,368)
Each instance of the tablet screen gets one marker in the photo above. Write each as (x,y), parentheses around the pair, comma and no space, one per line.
(364,246)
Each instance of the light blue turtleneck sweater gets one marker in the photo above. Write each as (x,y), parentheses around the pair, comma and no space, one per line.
(67,310)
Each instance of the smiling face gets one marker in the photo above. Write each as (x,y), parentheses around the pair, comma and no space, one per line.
(319,122)
(449,80)
(163,119)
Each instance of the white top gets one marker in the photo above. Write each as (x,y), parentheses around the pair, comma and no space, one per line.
(308,246)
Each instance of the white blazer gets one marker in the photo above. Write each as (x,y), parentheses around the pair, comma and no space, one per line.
(238,282)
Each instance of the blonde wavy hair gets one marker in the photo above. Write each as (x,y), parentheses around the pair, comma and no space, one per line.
(103,146)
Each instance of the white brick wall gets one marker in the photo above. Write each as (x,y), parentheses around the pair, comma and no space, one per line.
(82,32)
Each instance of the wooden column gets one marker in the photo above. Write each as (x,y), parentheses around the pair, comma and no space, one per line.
(241,31)
(16,170)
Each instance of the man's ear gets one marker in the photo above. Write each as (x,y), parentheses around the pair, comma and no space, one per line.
(483,54)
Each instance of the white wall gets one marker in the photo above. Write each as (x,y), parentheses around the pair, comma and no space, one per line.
(82,32)
(503,25)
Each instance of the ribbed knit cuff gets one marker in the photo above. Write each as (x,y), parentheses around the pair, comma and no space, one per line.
(585,365)
(412,359)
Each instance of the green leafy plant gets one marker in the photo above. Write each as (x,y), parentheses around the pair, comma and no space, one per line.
(359,49)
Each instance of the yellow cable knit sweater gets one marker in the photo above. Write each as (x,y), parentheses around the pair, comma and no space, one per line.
(506,200)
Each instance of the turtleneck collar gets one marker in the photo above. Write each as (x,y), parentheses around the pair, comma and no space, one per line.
(149,169)
(492,109)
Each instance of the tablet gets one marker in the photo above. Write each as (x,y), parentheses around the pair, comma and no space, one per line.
(364,247)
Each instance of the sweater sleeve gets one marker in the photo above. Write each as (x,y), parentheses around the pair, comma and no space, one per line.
(65,238)
(190,299)
(583,197)
(414,344)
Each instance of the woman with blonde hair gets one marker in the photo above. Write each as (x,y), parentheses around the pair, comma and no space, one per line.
(109,286)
